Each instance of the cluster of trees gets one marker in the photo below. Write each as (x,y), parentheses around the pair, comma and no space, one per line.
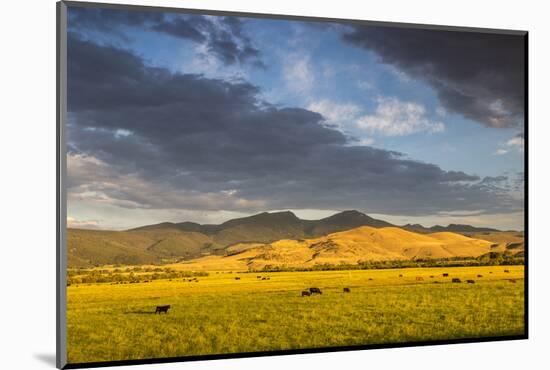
(489,259)
(129,275)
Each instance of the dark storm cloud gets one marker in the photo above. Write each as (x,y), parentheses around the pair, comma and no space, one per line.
(110,19)
(224,37)
(145,137)
(185,28)
(493,179)
(478,75)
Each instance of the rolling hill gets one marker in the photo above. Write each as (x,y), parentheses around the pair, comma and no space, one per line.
(361,244)
(189,240)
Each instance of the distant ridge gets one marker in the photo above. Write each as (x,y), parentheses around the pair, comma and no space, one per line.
(457,228)
(344,220)
(190,240)
(279,221)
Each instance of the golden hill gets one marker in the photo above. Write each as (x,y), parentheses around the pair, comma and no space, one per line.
(351,247)
(503,241)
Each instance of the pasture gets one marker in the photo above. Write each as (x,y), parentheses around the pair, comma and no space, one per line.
(220,314)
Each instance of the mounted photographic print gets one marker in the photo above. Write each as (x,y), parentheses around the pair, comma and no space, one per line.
(235,184)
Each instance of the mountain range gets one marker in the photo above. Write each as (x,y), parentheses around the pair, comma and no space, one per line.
(189,240)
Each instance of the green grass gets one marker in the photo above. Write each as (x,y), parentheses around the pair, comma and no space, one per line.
(222,315)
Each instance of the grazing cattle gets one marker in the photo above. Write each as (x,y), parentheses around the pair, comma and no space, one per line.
(470,281)
(512,280)
(419,278)
(456,280)
(264,278)
(507,271)
(431,276)
(445,275)
(479,276)
(258,277)
(400,275)
(315,291)
(490,272)
(305,293)
(237,278)
(162,309)
(347,290)
(370,278)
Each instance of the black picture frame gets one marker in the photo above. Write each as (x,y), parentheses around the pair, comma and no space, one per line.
(61,201)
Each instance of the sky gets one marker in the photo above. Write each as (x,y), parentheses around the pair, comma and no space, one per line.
(188,117)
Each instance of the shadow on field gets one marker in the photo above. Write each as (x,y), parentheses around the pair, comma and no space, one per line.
(140,312)
(47,358)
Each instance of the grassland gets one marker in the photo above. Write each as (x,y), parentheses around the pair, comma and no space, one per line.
(219,314)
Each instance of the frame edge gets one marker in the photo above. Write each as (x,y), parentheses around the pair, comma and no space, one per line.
(61,169)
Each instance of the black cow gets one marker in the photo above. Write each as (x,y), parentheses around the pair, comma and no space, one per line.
(470,281)
(507,271)
(306,293)
(479,276)
(445,275)
(456,280)
(512,280)
(237,278)
(162,309)
(347,290)
(315,291)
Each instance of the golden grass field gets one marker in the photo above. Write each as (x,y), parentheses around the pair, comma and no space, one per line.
(220,315)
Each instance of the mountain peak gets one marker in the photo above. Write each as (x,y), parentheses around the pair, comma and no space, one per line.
(283,213)
(352,212)
(273,215)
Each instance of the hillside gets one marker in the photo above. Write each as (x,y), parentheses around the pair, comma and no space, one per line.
(87,248)
(361,244)
(189,240)
(90,247)
(504,241)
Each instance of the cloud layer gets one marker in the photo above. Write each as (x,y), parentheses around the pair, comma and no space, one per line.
(224,37)
(396,118)
(478,75)
(143,137)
